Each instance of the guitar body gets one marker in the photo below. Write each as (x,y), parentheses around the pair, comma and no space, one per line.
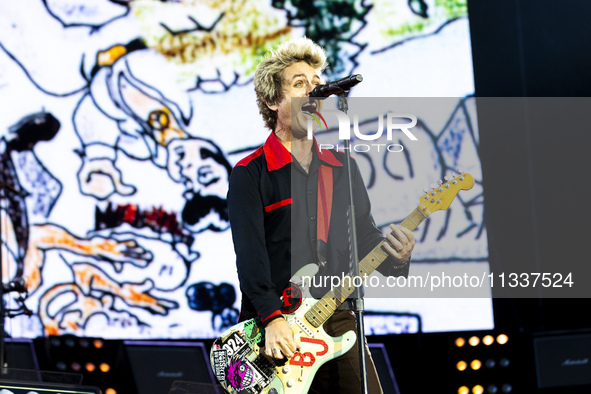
(241,367)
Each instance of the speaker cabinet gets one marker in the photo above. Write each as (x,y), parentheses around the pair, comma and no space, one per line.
(563,359)
(384,368)
(20,353)
(156,365)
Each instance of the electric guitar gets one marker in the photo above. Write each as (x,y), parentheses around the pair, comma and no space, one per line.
(236,358)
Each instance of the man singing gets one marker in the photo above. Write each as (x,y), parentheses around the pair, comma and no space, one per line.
(274,215)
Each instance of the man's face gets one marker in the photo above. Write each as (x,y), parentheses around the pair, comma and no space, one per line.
(299,80)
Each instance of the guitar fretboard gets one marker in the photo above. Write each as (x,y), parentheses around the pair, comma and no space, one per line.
(326,306)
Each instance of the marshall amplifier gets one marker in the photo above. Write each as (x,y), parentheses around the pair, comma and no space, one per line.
(563,359)
(20,353)
(156,365)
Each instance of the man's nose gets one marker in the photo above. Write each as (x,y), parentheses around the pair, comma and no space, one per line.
(309,88)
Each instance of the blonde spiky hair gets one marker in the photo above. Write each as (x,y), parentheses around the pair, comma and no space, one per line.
(268,77)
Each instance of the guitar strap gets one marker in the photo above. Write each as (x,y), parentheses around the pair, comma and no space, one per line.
(324,211)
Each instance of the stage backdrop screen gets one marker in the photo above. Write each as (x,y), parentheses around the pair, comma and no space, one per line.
(121,121)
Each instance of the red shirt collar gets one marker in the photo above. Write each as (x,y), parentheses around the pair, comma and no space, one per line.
(278,156)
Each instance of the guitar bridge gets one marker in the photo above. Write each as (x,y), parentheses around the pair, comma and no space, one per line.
(266,369)
(264,366)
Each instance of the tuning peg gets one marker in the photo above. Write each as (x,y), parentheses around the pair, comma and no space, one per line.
(439,182)
(432,186)
(453,174)
(425,190)
(447,178)
(460,171)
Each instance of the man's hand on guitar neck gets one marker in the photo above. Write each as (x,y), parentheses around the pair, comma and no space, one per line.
(401,242)
(279,340)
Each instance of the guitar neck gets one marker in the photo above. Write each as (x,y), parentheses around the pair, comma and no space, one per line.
(326,306)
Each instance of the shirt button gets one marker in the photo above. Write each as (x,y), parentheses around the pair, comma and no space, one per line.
(310,192)
(312,217)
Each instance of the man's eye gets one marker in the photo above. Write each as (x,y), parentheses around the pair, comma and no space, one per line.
(298,84)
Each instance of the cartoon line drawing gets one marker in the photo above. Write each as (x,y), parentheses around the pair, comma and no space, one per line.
(136,84)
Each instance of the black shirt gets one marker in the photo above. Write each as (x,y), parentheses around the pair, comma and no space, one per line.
(272,203)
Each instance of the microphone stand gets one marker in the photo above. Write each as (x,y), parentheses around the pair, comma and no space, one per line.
(2,309)
(10,286)
(358,305)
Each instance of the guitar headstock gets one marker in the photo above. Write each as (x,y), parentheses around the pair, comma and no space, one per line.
(440,197)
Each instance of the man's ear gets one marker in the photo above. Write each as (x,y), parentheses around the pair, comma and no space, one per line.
(271,104)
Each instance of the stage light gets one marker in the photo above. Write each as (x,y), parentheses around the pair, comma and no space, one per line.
(463,390)
(95,358)
(460,342)
(478,389)
(504,362)
(488,340)
(461,365)
(473,341)
(475,364)
(110,391)
(502,339)
(490,363)
(492,389)
(507,388)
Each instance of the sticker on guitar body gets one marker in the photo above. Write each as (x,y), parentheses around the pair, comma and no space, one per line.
(252,332)
(307,359)
(220,359)
(235,345)
(240,374)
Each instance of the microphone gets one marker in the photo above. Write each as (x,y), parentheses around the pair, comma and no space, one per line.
(336,87)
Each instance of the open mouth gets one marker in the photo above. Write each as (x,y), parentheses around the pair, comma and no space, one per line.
(310,107)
